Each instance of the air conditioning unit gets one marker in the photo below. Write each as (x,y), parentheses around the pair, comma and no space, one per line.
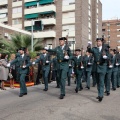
(6,35)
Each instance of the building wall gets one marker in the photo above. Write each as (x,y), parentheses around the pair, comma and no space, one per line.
(78,18)
(111,32)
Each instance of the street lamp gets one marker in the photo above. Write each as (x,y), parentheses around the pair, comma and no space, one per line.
(73,43)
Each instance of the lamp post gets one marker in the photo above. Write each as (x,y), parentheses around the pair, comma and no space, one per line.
(108,33)
(32,23)
(73,43)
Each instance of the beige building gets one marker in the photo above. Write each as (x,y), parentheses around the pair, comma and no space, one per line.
(111,32)
(80,20)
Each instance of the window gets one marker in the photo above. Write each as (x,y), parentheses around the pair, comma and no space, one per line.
(118,41)
(103,30)
(89,24)
(118,24)
(69,15)
(16,21)
(68,28)
(89,1)
(97,10)
(118,30)
(89,12)
(17,10)
(68,2)
(118,35)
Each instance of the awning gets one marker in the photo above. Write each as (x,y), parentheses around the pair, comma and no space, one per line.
(41,2)
(29,16)
(47,12)
(27,4)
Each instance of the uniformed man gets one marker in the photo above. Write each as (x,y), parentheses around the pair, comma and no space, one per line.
(100,65)
(24,62)
(108,73)
(71,66)
(114,70)
(88,62)
(78,68)
(45,60)
(63,54)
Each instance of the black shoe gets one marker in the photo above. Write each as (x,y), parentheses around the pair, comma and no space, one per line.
(100,99)
(113,89)
(97,97)
(107,93)
(45,89)
(87,87)
(21,95)
(118,86)
(61,96)
(76,90)
(25,94)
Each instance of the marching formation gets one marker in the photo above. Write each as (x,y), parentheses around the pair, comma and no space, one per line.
(100,62)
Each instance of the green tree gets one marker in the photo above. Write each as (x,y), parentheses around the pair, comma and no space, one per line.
(17,41)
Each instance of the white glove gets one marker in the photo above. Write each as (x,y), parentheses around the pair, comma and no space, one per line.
(110,66)
(46,48)
(33,63)
(66,57)
(82,67)
(90,42)
(8,65)
(24,66)
(89,63)
(117,64)
(104,57)
(47,61)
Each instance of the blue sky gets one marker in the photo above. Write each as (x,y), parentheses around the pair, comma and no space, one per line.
(111,9)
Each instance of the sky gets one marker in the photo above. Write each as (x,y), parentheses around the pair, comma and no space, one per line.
(111,9)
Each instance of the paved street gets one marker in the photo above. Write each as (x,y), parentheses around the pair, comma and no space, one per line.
(40,105)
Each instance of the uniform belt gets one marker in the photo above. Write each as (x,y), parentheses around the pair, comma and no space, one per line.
(62,61)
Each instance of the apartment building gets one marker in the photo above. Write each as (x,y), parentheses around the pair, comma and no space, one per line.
(111,32)
(79,20)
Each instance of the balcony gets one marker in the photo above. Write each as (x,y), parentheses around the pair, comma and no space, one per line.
(29,0)
(68,21)
(17,26)
(68,8)
(40,9)
(4,2)
(4,10)
(71,33)
(16,4)
(45,34)
(4,19)
(18,15)
(43,2)
(50,21)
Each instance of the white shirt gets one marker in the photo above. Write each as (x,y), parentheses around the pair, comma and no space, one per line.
(62,46)
(78,56)
(44,54)
(22,55)
(100,48)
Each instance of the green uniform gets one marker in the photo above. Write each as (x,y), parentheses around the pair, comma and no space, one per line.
(78,60)
(45,67)
(71,66)
(88,62)
(22,71)
(108,74)
(114,73)
(62,65)
(100,66)
(118,74)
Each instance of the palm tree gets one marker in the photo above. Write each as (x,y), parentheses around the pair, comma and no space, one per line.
(19,40)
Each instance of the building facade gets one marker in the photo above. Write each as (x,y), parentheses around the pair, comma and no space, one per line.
(79,20)
(111,32)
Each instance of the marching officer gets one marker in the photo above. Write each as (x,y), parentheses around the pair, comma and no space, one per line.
(44,60)
(63,54)
(108,74)
(100,65)
(115,69)
(88,62)
(78,68)
(24,62)
(71,66)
